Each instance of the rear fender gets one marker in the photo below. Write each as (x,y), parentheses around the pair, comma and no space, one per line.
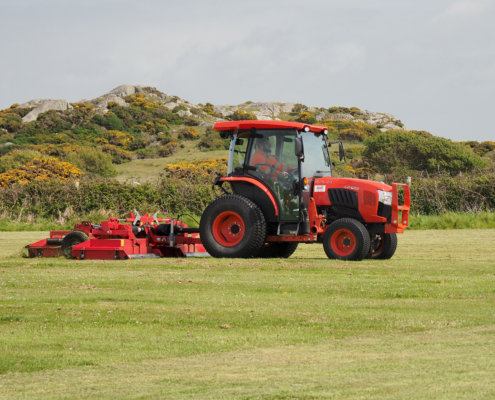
(259,194)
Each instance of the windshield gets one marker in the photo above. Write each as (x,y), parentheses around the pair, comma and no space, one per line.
(316,159)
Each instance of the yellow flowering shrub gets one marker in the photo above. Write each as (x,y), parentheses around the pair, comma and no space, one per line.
(122,139)
(40,169)
(119,155)
(139,100)
(188,132)
(197,169)
(169,149)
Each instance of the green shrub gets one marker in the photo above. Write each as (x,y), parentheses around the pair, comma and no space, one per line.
(392,150)
(344,110)
(167,150)
(16,159)
(191,121)
(298,108)
(93,162)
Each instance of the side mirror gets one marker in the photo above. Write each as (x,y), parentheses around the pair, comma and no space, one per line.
(341,152)
(299,149)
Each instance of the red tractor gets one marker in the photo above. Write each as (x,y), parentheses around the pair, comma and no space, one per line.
(284,194)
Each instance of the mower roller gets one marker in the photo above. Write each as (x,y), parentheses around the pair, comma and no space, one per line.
(283,194)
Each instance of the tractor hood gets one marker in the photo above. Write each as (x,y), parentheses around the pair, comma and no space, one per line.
(351,184)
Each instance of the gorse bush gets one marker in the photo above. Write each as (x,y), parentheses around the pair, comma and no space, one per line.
(306,117)
(344,110)
(393,150)
(188,133)
(40,169)
(241,115)
(197,171)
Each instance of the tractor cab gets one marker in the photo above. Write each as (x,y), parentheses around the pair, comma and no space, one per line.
(280,159)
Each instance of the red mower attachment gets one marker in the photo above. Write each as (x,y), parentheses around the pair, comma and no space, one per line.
(135,237)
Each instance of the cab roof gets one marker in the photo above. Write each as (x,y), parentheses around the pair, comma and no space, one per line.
(246,125)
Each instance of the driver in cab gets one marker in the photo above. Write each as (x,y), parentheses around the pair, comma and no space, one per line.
(267,164)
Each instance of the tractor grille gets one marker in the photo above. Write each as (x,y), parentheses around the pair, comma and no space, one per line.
(385,211)
(343,198)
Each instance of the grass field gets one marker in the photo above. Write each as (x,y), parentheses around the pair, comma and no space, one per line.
(421,325)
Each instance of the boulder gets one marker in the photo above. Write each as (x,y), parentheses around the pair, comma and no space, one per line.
(287,107)
(122,91)
(261,116)
(392,127)
(223,110)
(265,108)
(321,116)
(186,113)
(44,106)
(171,106)
(341,116)
(116,99)
(32,103)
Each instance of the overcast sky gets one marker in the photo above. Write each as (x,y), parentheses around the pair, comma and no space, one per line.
(429,63)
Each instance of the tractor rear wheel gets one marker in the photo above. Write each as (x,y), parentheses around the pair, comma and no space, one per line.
(278,250)
(383,246)
(233,226)
(346,239)
(70,240)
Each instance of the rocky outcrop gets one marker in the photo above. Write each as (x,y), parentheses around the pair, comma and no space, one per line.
(44,106)
(224,110)
(287,107)
(265,108)
(183,113)
(261,116)
(123,90)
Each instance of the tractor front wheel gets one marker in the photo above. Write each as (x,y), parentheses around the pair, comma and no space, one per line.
(383,246)
(70,240)
(346,239)
(233,226)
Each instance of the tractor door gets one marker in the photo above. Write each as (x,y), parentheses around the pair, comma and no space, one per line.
(272,154)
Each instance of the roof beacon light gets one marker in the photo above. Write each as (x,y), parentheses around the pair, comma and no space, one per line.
(306,129)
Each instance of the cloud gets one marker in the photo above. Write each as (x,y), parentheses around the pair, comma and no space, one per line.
(466,9)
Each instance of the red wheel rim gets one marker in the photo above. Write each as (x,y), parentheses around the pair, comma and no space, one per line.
(343,242)
(380,246)
(228,228)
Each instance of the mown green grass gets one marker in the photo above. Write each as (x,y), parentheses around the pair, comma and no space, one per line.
(420,325)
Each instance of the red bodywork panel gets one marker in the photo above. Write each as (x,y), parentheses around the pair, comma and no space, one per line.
(367,199)
(365,190)
(255,182)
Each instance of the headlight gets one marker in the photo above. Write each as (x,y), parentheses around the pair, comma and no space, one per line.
(385,197)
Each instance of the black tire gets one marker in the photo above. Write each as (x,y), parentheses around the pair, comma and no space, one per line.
(70,240)
(278,250)
(351,235)
(249,216)
(385,249)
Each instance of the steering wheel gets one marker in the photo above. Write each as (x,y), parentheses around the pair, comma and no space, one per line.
(286,181)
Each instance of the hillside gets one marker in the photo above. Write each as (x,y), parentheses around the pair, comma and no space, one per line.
(135,131)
